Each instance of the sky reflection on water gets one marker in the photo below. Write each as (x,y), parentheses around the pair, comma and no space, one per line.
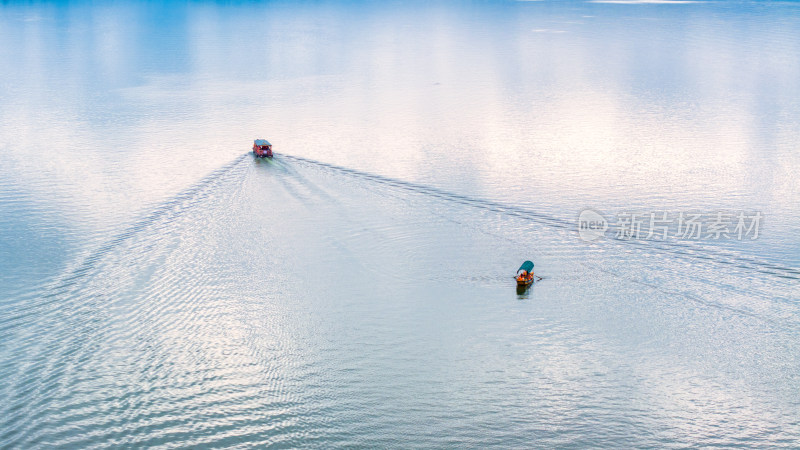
(147,302)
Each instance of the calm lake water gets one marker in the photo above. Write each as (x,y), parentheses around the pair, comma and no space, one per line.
(161,287)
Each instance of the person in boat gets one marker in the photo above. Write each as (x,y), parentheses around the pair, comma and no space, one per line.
(525,273)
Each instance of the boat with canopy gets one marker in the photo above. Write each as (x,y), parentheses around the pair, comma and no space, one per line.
(262,148)
(525,274)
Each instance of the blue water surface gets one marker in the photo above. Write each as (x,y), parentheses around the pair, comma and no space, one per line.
(161,287)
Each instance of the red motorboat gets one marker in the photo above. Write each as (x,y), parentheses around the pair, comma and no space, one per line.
(262,148)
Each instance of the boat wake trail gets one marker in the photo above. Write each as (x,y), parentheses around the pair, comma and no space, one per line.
(196,324)
(31,305)
(65,324)
(683,250)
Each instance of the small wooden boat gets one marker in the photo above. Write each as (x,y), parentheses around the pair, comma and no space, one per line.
(525,274)
(262,148)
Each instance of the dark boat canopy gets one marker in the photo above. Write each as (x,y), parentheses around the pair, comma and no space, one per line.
(526,266)
(262,142)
